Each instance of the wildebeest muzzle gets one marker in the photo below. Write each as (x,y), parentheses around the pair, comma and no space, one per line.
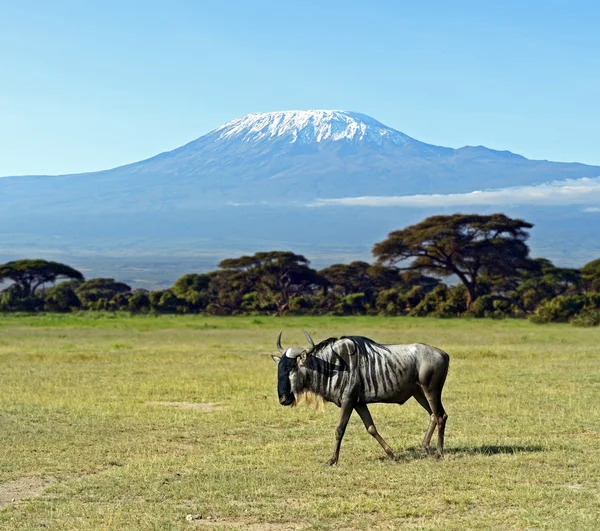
(287,400)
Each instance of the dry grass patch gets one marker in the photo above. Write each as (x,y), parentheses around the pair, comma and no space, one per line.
(187,422)
(206,407)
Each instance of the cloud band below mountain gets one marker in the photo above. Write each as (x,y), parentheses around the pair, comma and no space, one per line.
(585,191)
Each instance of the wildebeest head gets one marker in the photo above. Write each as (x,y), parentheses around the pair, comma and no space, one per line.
(289,378)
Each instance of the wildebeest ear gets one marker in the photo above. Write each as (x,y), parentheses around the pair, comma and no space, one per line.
(302,359)
(276,359)
(344,348)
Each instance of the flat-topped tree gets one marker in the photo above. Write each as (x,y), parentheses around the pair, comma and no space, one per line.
(194,289)
(29,275)
(469,246)
(591,275)
(93,291)
(276,276)
(362,277)
(545,281)
(104,286)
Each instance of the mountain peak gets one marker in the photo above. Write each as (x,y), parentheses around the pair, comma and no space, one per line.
(305,127)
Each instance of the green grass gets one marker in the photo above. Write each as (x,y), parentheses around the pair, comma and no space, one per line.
(522,440)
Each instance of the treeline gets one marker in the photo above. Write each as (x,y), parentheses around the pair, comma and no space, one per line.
(486,256)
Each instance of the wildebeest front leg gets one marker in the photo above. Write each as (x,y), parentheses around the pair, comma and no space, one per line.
(346,411)
(365,415)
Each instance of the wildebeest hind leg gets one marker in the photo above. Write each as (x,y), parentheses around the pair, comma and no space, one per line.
(434,397)
(365,415)
(421,399)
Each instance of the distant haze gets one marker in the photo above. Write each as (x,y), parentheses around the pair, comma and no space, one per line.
(248,185)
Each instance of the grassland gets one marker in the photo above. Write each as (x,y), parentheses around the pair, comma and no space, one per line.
(117,422)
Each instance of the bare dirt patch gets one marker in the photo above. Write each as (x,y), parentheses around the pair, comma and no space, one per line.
(22,488)
(202,407)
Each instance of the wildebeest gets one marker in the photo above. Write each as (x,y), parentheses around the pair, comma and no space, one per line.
(355,371)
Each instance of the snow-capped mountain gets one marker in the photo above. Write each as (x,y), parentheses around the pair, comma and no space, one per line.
(247,185)
(305,127)
(287,157)
(307,155)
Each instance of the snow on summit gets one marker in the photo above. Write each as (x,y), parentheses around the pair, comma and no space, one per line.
(309,126)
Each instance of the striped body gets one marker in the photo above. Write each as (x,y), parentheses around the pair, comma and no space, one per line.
(379,373)
(355,371)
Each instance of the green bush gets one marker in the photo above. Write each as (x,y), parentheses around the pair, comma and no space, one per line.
(13,299)
(562,309)
(490,306)
(393,302)
(353,304)
(166,302)
(139,302)
(587,318)
(301,305)
(482,306)
(442,301)
(62,298)
(254,302)
(431,302)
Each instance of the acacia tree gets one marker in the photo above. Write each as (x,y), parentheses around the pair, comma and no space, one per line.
(62,298)
(466,245)
(29,275)
(348,279)
(193,288)
(358,286)
(276,276)
(591,275)
(225,291)
(544,281)
(360,277)
(103,293)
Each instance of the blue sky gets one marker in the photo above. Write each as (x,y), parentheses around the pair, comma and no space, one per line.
(91,85)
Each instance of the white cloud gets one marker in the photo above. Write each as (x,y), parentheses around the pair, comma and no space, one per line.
(583,191)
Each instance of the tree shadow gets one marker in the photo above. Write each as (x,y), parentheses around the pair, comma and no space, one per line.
(416,453)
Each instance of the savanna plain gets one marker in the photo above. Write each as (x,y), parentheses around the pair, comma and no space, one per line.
(134,422)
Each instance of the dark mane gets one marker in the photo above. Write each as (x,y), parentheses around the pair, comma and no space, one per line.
(364,345)
(323,344)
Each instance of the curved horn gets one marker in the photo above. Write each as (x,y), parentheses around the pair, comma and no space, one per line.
(312,343)
(279,347)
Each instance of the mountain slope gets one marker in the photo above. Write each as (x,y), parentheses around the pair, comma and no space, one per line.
(246,185)
(305,155)
(301,155)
